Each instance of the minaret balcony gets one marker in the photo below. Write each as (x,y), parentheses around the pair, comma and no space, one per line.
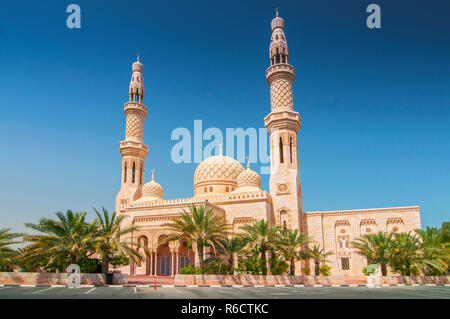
(280,69)
(284,119)
(135,106)
(132,148)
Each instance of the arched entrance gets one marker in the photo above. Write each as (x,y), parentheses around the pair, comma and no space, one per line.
(186,257)
(144,267)
(164,259)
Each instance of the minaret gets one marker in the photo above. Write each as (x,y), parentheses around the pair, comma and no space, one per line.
(283,124)
(133,149)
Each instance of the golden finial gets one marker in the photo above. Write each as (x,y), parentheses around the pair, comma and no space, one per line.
(248,162)
(138,56)
(276,11)
(220,149)
(153,174)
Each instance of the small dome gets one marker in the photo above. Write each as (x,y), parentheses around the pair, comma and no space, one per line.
(249,178)
(152,188)
(216,174)
(277,22)
(248,181)
(151,191)
(138,66)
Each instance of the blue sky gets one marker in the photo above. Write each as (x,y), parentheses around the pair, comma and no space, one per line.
(375,104)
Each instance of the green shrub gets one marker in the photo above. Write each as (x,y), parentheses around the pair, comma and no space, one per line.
(189,270)
(370,269)
(324,270)
(278,265)
(306,271)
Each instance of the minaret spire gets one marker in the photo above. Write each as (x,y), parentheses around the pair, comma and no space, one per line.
(283,124)
(133,149)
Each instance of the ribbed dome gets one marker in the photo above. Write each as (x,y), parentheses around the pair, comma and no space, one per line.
(217,174)
(152,188)
(249,178)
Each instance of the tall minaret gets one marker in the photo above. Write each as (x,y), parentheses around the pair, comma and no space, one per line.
(283,124)
(133,149)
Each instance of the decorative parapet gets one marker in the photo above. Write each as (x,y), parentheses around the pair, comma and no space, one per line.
(198,200)
(242,220)
(342,223)
(368,222)
(397,220)
(405,209)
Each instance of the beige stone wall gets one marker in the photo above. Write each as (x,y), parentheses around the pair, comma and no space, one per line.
(334,230)
(42,278)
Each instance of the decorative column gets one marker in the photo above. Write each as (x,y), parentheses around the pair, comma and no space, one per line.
(177,260)
(150,261)
(172,255)
(156,262)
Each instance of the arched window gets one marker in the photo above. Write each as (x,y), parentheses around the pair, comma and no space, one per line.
(290,148)
(140,174)
(227,189)
(125,173)
(206,189)
(281,150)
(133,173)
(211,189)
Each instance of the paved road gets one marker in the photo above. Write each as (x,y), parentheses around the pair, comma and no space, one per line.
(407,292)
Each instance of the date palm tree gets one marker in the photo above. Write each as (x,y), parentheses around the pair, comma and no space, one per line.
(409,257)
(69,237)
(201,226)
(318,255)
(259,235)
(376,248)
(112,238)
(433,247)
(229,248)
(7,254)
(290,244)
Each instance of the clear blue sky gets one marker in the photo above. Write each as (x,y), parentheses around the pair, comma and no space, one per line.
(375,104)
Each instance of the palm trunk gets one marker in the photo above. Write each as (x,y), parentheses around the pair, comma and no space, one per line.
(232,265)
(200,257)
(316,269)
(105,264)
(383,270)
(292,267)
(264,261)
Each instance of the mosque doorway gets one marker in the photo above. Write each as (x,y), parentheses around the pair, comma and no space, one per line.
(165,266)
(164,261)
(142,268)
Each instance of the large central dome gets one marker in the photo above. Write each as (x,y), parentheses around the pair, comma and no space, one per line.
(216,174)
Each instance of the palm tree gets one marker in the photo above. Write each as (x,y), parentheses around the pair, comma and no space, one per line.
(70,238)
(201,226)
(433,247)
(7,254)
(319,255)
(408,257)
(229,248)
(111,239)
(261,236)
(290,244)
(376,248)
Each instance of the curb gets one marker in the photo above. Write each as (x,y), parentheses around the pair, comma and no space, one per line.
(221,286)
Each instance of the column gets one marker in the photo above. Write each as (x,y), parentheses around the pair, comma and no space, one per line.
(177,260)
(150,261)
(172,254)
(156,262)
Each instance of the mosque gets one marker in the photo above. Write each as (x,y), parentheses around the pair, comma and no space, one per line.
(233,191)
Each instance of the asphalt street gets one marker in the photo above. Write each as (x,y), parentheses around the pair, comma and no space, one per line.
(402,292)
